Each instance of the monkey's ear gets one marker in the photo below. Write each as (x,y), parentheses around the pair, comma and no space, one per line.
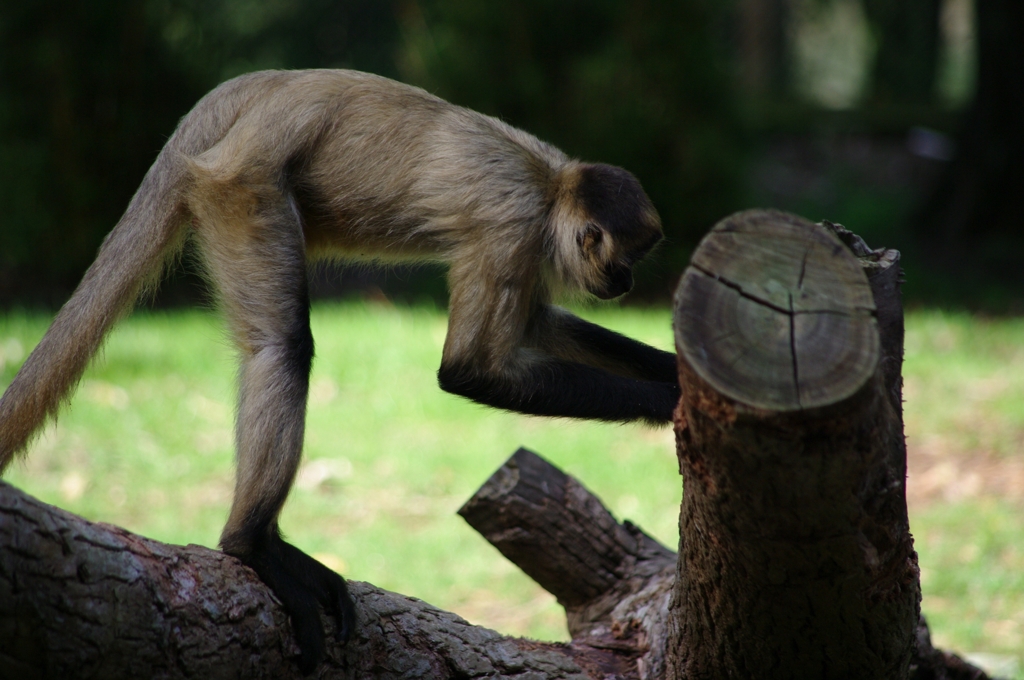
(590,237)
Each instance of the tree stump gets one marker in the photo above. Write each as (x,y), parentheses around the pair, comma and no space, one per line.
(796,558)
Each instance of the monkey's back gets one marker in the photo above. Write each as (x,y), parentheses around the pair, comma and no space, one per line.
(378,169)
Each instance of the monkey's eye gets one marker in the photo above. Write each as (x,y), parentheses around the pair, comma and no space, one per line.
(590,237)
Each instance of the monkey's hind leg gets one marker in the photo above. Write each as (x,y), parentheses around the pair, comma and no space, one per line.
(257,262)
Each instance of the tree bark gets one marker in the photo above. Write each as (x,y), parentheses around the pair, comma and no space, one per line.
(85,600)
(797,560)
(613,579)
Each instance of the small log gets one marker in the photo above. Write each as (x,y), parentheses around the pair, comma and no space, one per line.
(613,579)
(797,560)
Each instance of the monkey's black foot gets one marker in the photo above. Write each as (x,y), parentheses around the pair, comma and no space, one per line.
(300,582)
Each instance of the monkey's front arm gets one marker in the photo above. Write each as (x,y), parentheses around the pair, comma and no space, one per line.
(572,368)
(569,337)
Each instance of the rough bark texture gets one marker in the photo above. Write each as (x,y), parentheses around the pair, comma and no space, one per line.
(935,664)
(796,556)
(882,267)
(84,600)
(613,579)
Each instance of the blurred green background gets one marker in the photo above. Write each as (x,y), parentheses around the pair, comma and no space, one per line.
(902,120)
(865,112)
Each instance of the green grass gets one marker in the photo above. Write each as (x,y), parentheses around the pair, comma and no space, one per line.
(964,391)
(972,575)
(965,381)
(147,445)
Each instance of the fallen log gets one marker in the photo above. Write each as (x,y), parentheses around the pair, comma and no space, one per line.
(90,600)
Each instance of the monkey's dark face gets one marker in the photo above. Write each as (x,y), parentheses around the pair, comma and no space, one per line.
(618,281)
(616,276)
(623,227)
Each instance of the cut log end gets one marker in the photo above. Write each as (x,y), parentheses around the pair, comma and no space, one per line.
(776,313)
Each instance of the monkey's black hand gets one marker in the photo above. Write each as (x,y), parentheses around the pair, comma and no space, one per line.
(300,582)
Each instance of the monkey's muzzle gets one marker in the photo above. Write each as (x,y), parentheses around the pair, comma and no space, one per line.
(618,281)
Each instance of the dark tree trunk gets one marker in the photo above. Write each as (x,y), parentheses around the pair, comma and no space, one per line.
(764,55)
(976,203)
(907,56)
(796,558)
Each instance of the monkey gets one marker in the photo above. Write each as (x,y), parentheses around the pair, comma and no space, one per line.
(274,170)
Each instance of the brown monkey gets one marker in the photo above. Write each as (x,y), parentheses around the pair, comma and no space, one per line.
(275,169)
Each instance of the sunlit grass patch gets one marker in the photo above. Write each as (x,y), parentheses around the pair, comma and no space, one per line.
(964,382)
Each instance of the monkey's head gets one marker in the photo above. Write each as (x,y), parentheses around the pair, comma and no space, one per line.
(604,224)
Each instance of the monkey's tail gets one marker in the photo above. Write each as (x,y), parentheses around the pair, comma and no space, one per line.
(133,256)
